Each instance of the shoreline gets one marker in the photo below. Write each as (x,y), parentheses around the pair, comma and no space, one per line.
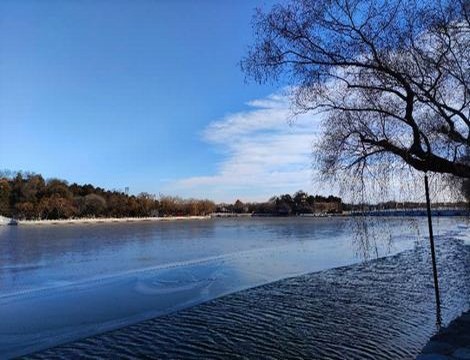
(4,221)
(109,220)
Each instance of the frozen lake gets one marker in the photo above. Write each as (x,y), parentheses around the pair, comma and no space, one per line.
(61,283)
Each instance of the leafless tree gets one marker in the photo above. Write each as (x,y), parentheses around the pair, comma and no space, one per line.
(390,77)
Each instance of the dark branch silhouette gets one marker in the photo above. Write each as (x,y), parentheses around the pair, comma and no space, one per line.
(391,76)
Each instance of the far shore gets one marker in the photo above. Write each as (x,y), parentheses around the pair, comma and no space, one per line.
(108,220)
(383,213)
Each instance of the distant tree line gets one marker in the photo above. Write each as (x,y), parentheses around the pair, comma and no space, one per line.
(404,205)
(30,196)
(286,205)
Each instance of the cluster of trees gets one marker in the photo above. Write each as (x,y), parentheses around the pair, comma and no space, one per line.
(176,206)
(466,189)
(406,205)
(30,196)
(285,205)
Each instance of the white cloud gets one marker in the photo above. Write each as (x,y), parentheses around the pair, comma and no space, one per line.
(265,152)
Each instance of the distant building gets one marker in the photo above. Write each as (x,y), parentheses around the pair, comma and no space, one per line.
(322,207)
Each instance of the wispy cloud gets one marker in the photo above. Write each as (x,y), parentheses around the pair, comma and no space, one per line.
(265,152)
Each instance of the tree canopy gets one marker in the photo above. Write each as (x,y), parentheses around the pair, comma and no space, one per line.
(285,205)
(390,78)
(29,196)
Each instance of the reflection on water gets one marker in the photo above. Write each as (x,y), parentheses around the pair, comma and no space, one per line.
(57,282)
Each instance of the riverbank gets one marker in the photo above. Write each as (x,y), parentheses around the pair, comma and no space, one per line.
(452,342)
(109,220)
(436,213)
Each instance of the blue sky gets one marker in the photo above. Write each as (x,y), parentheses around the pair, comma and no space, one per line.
(145,94)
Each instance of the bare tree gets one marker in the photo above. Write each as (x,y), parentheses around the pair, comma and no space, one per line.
(390,77)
